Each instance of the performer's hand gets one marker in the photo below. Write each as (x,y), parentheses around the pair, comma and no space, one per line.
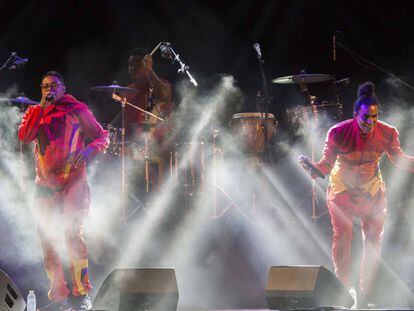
(147,60)
(309,170)
(84,156)
(310,166)
(44,103)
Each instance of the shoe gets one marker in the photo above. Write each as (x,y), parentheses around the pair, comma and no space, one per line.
(81,303)
(62,305)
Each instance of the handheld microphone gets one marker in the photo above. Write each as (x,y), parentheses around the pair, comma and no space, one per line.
(306,161)
(165,49)
(50,97)
(256,47)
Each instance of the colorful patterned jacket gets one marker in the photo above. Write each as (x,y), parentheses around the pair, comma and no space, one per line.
(61,131)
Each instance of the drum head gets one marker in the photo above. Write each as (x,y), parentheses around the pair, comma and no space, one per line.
(249,130)
(253,115)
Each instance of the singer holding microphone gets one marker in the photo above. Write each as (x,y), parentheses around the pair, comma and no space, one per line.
(66,136)
(351,155)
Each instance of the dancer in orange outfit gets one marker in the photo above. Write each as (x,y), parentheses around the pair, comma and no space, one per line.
(351,155)
(66,136)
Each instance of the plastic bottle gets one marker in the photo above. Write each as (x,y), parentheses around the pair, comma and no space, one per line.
(31,301)
(353,293)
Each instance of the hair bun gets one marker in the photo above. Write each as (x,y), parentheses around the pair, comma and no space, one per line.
(366,89)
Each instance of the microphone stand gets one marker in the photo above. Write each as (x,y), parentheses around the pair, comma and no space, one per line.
(123,167)
(339,45)
(146,129)
(10,59)
(168,52)
(266,104)
(14,62)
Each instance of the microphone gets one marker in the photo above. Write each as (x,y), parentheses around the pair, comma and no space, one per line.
(334,47)
(306,161)
(165,49)
(50,97)
(18,63)
(256,47)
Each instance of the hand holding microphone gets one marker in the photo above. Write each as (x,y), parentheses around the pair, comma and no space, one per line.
(47,99)
(309,166)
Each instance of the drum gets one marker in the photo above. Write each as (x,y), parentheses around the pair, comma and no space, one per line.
(249,127)
(187,166)
(323,113)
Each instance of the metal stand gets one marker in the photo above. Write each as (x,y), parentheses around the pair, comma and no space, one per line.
(266,100)
(123,168)
(218,188)
(124,102)
(167,52)
(313,125)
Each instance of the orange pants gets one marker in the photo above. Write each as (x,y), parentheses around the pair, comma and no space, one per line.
(342,209)
(61,217)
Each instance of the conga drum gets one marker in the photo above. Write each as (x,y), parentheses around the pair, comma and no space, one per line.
(249,128)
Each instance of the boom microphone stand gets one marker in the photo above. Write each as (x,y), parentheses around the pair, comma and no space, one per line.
(266,100)
(124,102)
(167,52)
(373,65)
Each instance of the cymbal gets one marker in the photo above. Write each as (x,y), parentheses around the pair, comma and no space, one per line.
(303,78)
(19,100)
(113,88)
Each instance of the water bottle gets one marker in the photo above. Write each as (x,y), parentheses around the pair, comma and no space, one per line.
(353,293)
(31,301)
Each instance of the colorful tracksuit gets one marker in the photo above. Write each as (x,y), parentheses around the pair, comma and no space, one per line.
(357,189)
(60,132)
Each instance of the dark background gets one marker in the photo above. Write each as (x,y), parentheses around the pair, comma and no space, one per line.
(89,43)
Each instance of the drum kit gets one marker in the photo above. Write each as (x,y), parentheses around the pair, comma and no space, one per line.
(252,130)
(249,127)
(315,113)
(315,109)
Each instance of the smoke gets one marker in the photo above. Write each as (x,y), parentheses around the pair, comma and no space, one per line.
(17,219)
(219,210)
(220,216)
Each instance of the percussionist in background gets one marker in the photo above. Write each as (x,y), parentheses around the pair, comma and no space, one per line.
(154,94)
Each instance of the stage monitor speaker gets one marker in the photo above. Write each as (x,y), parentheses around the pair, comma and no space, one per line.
(305,287)
(11,298)
(138,289)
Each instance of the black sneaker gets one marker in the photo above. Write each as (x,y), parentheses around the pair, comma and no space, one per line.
(81,303)
(62,305)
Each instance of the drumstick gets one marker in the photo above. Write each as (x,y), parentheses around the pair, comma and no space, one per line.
(156,48)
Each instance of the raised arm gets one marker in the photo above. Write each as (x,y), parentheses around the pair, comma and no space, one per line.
(30,123)
(162,89)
